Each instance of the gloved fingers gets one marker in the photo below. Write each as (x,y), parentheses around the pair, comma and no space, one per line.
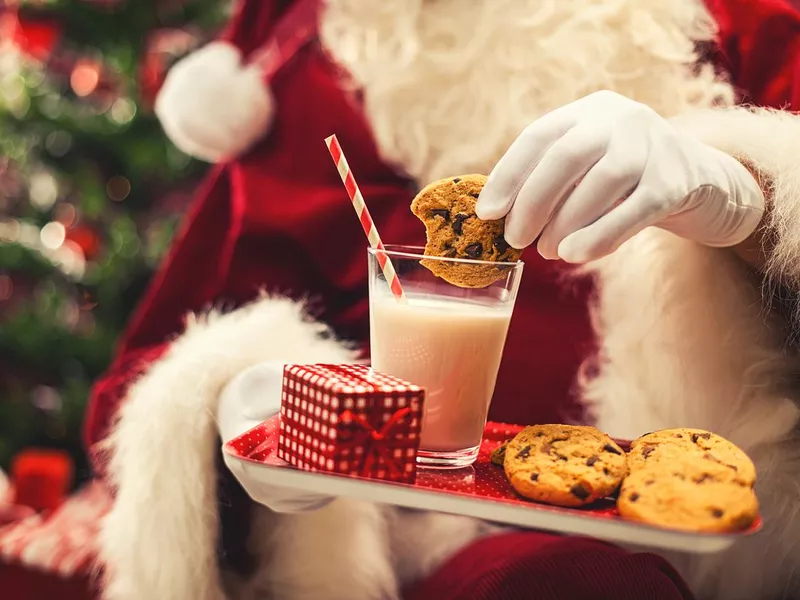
(643,208)
(250,398)
(562,164)
(612,178)
(512,170)
(260,390)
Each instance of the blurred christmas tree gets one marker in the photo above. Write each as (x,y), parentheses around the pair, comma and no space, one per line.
(90,191)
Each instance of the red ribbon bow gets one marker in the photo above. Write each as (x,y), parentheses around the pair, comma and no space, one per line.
(374,441)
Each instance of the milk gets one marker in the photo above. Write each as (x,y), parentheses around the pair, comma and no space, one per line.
(453,349)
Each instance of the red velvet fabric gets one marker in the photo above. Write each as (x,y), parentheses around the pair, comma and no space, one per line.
(19,583)
(524,565)
(279,218)
(760,47)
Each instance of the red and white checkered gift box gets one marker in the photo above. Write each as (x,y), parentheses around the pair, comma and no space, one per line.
(350,419)
(63,542)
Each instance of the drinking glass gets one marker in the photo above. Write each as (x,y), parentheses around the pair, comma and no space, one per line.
(445,338)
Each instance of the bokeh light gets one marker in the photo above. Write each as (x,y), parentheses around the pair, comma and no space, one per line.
(118,188)
(85,77)
(53,235)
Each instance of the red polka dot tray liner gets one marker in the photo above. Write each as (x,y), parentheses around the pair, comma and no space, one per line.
(481,491)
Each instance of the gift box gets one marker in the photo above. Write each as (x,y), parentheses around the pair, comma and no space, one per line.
(51,554)
(351,420)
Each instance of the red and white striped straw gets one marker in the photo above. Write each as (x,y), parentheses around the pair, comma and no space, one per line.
(363,215)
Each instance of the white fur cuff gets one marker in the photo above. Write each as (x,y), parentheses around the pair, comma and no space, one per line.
(159,540)
(769,141)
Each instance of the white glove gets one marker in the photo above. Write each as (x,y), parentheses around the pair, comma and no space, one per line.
(590,175)
(250,398)
(211,106)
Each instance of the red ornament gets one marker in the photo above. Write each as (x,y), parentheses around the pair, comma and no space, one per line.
(350,419)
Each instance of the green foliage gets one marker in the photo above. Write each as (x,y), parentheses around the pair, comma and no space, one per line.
(90,191)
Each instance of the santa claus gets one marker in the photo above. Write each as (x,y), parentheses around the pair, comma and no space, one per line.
(570,105)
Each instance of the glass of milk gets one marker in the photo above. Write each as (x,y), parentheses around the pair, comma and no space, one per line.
(447,339)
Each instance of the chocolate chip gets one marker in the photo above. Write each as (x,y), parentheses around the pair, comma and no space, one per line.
(501,244)
(441,212)
(648,450)
(612,449)
(562,457)
(547,447)
(475,194)
(524,453)
(579,491)
(717,513)
(606,472)
(458,223)
(474,250)
(633,497)
(534,477)
(697,436)
(456,180)
(591,460)
(679,435)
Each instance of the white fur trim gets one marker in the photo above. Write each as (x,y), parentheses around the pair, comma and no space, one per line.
(770,141)
(213,107)
(686,341)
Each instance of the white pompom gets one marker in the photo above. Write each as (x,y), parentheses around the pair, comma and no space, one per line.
(213,107)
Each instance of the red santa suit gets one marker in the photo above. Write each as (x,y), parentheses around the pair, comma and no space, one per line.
(429,101)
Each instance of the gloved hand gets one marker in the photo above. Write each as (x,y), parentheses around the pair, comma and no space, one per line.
(213,107)
(250,398)
(590,175)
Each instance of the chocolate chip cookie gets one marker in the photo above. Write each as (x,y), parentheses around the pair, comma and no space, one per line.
(564,465)
(447,208)
(701,451)
(682,503)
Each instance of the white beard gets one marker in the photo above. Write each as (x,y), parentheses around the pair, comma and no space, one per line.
(449,84)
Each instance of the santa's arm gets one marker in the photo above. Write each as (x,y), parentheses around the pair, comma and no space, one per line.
(767,142)
(161,537)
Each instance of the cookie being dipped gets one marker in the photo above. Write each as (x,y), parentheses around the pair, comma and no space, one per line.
(453,230)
